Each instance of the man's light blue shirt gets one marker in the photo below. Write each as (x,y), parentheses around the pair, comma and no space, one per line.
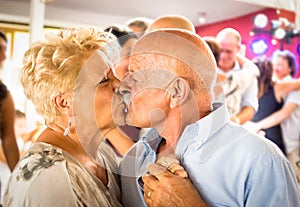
(229,165)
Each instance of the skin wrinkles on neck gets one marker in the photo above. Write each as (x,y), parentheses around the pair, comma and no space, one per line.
(174,125)
(171,132)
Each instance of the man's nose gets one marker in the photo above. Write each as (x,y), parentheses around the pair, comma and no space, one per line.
(125,87)
(125,90)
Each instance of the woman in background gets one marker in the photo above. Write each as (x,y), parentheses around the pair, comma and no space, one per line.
(270,97)
(10,153)
(7,116)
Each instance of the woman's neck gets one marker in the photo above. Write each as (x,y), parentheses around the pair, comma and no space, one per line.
(119,140)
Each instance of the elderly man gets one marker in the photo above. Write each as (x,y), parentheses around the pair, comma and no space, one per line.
(170,89)
(171,21)
(240,91)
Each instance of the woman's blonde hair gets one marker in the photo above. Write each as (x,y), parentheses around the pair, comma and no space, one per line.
(51,67)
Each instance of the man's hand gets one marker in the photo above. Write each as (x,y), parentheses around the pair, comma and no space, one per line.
(163,188)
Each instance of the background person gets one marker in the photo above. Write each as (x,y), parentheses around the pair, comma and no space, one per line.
(241,96)
(288,116)
(10,153)
(20,127)
(7,115)
(270,96)
(139,25)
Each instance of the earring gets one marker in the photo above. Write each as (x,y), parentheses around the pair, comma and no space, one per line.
(66,132)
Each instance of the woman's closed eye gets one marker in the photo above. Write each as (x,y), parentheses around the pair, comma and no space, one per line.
(103,81)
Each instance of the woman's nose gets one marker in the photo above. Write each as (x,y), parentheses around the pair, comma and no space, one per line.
(116,84)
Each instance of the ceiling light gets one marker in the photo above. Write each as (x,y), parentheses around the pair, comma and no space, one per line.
(260,21)
(279,33)
(201,18)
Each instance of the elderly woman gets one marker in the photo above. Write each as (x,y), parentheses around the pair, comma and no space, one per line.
(63,76)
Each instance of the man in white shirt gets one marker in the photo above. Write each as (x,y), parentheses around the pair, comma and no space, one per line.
(240,91)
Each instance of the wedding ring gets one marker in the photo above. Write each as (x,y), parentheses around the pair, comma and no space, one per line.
(170,169)
(149,194)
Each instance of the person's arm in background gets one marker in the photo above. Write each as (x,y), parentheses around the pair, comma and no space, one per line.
(277,117)
(9,143)
(245,115)
(284,87)
(291,104)
(249,102)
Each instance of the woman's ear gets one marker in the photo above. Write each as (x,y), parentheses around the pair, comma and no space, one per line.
(62,103)
(179,91)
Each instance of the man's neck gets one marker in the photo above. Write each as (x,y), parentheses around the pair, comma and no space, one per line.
(227,69)
(172,129)
(174,126)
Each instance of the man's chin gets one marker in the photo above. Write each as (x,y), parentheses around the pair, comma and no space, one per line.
(132,122)
(119,118)
(129,121)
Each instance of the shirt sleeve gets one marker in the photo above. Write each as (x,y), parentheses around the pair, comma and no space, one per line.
(273,184)
(249,97)
(293,97)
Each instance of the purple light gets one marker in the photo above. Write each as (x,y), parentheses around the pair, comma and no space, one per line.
(259,46)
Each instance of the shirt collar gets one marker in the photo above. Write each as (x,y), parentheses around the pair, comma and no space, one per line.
(288,78)
(200,132)
(235,68)
(152,138)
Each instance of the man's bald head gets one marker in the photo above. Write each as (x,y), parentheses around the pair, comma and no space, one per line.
(171,21)
(179,51)
(229,33)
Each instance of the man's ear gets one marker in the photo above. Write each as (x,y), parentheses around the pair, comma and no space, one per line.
(179,91)
(62,103)
(239,48)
